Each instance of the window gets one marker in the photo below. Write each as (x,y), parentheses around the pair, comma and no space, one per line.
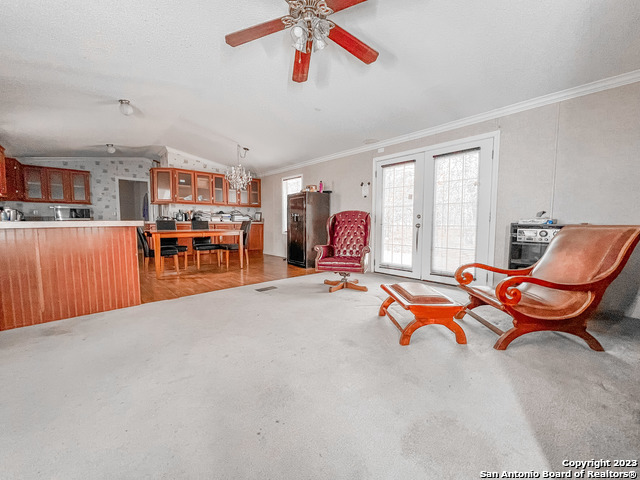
(289,185)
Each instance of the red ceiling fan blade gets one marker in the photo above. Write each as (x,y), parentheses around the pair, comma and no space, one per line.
(337,5)
(352,45)
(301,64)
(252,33)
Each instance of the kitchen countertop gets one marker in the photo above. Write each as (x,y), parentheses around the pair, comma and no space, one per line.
(71,224)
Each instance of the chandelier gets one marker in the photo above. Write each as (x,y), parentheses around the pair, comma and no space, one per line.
(309,24)
(237,176)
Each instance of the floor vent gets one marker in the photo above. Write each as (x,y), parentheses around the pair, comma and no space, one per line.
(265,289)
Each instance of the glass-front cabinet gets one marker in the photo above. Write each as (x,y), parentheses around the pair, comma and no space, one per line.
(232,195)
(218,184)
(203,188)
(56,185)
(173,185)
(34,183)
(254,193)
(162,185)
(80,187)
(184,186)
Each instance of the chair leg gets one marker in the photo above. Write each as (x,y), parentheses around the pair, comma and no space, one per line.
(198,258)
(246,256)
(226,256)
(185,260)
(580,331)
(146,263)
(218,253)
(176,262)
(344,283)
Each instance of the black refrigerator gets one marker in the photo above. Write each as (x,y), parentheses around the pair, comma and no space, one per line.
(307,215)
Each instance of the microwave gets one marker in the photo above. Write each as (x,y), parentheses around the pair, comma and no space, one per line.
(71,213)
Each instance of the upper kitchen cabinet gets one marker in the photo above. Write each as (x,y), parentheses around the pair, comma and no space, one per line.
(248,197)
(56,185)
(80,187)
(218,185)
(184,186)
(203,187)
(173,185)
(162,190)
(34,184)
(11,183)
(254,193)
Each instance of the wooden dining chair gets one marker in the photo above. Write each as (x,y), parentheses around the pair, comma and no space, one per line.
(148,252)
(170,225)
(227,247)
(203,244)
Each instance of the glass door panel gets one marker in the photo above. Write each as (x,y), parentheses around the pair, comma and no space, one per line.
(56,185)
(79,186)
(455,210)
(399,201)
(244,197)
(203,188)
(218,190)
(185,186)
(163,185)
(33,183)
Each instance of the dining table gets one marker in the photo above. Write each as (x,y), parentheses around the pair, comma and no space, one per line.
(158,235)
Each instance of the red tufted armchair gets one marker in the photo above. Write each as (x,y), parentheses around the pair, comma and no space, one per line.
(346,253)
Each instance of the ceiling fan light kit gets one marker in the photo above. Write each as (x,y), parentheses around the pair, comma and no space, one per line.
(309,31)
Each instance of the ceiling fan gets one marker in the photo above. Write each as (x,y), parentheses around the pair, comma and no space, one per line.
(309,30)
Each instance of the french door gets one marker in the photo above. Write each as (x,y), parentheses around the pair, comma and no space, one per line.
(433,210)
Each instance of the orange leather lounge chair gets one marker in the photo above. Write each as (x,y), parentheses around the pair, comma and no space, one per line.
(563,289)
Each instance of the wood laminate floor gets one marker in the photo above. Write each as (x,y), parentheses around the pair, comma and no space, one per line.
(210,277)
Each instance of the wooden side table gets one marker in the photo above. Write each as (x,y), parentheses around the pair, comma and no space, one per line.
(429,306)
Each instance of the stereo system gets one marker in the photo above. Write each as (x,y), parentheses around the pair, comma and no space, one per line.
(536,235)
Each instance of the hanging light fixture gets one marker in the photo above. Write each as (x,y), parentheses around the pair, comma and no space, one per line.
(111,148)
(125,107)
(307,19)
(237,176)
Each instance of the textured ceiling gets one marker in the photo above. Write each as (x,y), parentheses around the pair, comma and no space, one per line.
(65,63)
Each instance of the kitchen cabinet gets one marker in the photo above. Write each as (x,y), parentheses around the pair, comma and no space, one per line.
(219,191)
(56,185)
(80,187)
(11,184)
(249,197)
(184,186)
(34,184)
(256,237)
(203,188)
(173,185)
(162,185)
(254,193)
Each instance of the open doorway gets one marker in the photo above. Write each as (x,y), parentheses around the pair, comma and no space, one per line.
(134,199)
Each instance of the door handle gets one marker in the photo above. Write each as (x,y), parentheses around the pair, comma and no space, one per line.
(417,235)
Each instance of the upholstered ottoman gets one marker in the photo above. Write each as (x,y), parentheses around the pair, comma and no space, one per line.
(429,306)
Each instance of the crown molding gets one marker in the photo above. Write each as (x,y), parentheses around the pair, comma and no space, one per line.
(563,95)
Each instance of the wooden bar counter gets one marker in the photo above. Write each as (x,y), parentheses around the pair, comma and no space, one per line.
(55,270)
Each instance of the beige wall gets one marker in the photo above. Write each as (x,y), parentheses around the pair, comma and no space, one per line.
(578,159)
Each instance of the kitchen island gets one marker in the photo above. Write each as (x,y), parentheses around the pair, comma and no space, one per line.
(55,270)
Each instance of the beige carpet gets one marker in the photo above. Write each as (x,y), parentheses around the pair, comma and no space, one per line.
(297,383)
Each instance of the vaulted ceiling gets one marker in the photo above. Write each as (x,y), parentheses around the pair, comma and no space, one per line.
(65,63)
